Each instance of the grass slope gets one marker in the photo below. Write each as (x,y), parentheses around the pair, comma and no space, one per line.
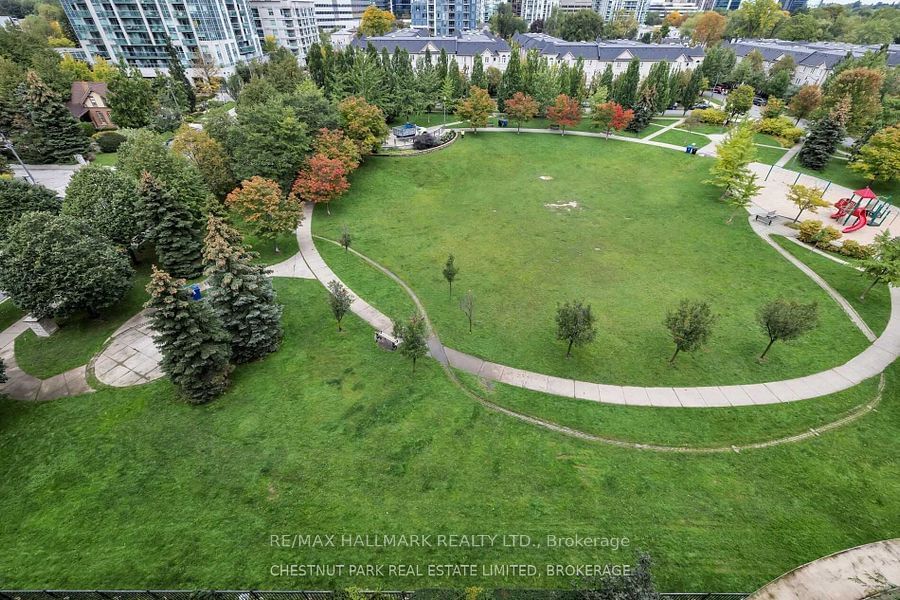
(331,435)
(646,233)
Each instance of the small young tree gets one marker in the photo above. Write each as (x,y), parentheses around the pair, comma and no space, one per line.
(739,101)
(476,108)
(171,227)
(564,112)
(345,240)
(339,300)
(610,116)
(450,271)
(521,107)
(261,203)
(884,263)
(56,266)
(240,293)
(467,305)
(193,344)
(690,325)
(413,336)
(733,155)
(806,198)
(322,180)
(786,320)
(742,193)
(575,324)
(805,101)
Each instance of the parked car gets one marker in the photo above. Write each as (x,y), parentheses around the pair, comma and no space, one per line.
(719,89)
(700,105)
(759,101)
(673,106)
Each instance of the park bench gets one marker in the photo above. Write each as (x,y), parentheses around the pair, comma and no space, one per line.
(388,342)
(766,218)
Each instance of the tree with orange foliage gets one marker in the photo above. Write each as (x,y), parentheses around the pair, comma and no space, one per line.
(611,115)
(675,18)
(260,202)
(710,28)
(322,180)
(565,112)
(521,107)
(333,143)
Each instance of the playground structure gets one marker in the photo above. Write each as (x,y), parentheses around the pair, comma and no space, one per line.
(405,131)
(873,214)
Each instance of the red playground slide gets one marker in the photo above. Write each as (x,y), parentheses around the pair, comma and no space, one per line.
(860,214)
(841,206)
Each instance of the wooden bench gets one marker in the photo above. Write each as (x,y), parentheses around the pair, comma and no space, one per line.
(766,218)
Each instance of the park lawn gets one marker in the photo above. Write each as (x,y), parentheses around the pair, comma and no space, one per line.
(9,314)
(427,119)
(682,138)
(79,337)
(838,171)
(331,435)
(106,159)
(286,243)
(634,246)
(767,155)
(849,283)
(768,140)
(705,128)
(694,427)
(584,125)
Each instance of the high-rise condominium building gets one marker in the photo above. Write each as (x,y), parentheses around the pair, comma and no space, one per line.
(608,9)
(136,31)
(292,23)
(335,14)
(533,10)
(446,17)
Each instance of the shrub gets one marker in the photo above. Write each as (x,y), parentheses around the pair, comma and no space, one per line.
(86,128)
(782,128)
(854,249)
(713,116)
(808,230)
(109,141)
(423,141)
(827,235)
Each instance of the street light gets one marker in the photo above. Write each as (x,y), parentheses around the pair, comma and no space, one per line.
(6,144)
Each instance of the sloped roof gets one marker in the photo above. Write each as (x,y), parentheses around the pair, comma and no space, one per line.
(79,93)
(414,42)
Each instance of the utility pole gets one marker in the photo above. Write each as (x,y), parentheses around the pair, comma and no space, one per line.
(7,144)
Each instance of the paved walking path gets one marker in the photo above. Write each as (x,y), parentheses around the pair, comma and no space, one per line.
(581,134)
(792,151)
(22,386)
(871,362)
(131,357)
(862,572)
(664,129)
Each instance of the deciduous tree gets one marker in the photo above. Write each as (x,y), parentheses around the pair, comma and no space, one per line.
(375,22)
(565,112)
(413,335)
(709,29)
(261,203)
(106,200)
(806,198)
(862,86)
(477,108)
(363,123)
(521,107)
(132,101)
(879,158)
(240,293)
(735,152)
(467,305)
(690,325)
(194,346)
(575,324)
(786,320)
(450,271)
(739,100)
(322,180)
(334,144)
(883,265)
(55,266)
(207,155)
(610,116)
(339,301)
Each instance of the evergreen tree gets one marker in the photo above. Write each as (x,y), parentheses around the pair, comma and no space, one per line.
(512,78)
(625,88)
(177,73)
(691,91)
(104,199)
(131,99)
(643,110)
(658,78)
(171,227)
(2,371)
(46,131)
(824,138)
(241,294)
(478,78)
(607,79)
(193,344)
(18,197)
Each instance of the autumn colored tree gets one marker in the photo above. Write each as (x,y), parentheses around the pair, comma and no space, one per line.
(363,123)
(805,101)
(674,19)
(879,158)
(863,87)
(611,116)
(376,22)
(261,203)
(710,28)
(565,112)
(322,180)
(521,107)
(208,156)
(333,143)
(476,108)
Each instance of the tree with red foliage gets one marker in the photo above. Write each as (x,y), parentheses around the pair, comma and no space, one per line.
(611,115)
(521,107)
(334,143)
(322,180)
(565,112)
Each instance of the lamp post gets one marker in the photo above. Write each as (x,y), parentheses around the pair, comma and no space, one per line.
(6,144)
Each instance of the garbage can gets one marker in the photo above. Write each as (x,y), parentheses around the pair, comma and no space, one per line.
(196,294)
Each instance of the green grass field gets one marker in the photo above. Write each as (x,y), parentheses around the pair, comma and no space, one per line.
(106,159)
(767,155)
(632,247)
(9,314)
(137,489)
(838,172)
(682,138)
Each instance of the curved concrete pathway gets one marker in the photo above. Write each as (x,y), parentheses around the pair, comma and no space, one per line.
(870,363)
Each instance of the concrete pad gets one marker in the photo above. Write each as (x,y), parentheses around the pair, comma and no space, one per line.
(612,394)
(103,364)
(760,394)
(462,361)
(689,397)
(114,374)
(781,390)
(491,371)
(587,391)
(663,396)
(736,396)
(713,397)
(560,387)
(53,388)
(635,396)
(138,362)
(534,381)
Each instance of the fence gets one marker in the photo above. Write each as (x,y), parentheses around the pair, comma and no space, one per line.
(429,594)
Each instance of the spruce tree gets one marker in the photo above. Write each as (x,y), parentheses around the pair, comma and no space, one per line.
(241,294)
(643,110)
(171,227)
(47,132)
(824,137)
(193,344)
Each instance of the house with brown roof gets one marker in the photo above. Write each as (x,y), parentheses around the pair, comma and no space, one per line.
(88,103)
